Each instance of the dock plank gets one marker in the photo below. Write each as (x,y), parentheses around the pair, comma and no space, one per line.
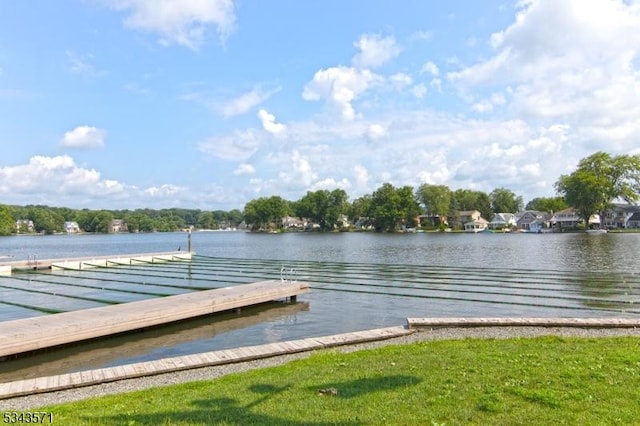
(29,334)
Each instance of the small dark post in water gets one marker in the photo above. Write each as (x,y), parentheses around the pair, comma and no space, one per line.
(189,241)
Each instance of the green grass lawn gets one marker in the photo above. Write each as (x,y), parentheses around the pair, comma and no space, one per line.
(547,380)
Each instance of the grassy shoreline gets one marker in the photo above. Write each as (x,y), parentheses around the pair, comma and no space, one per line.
(540,380)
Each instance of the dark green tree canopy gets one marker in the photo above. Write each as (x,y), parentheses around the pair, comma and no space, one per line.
(436,199)
(599,180)
(505,201)
(467,199)
(547,204)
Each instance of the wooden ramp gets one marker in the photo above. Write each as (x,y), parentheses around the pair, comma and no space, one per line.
(30,334)
(206,359)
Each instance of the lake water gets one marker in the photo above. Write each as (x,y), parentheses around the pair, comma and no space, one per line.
(359,281)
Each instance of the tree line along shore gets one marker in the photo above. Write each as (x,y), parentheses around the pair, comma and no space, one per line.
(597,182)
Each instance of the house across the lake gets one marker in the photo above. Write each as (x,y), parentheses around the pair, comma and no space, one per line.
(24,225)
(503,221)
(71,227)
(117,225)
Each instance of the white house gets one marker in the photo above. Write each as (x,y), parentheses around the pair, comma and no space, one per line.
(477,225)
(503,221)
(71,227)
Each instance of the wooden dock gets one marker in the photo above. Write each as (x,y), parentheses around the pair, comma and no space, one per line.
(31,334)
(185,362)
(6,268)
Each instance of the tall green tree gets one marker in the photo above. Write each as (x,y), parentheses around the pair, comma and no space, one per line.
(45,219)
(547,204)
(436,199)
(386,208)
(503,200)
(206,220)
(266,212)
(322,207)
(361,207)
(409,206)
(7,222)
(467,199)
(599,180)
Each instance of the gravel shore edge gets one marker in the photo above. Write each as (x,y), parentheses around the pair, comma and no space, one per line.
(205,373)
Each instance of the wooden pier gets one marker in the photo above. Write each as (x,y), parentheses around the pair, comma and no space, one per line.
(6,268)
(32,334)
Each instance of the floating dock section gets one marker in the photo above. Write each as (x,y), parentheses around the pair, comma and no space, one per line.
(6,268)
(32,334)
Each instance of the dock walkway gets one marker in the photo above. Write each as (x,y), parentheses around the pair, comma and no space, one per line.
(89,262)
(31,334)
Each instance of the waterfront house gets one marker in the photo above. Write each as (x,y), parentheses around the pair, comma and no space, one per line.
(533,220)
(477,225)
(24,225)
(465,216)
(619,215)
(289,222)
(117,225)
(503,221)
(432,220)
(71,227)
(634,220)
(567,218)
(343,221)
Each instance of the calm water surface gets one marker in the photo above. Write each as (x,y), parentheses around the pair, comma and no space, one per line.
(359,281)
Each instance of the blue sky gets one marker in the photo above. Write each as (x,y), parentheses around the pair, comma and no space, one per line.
(211,103)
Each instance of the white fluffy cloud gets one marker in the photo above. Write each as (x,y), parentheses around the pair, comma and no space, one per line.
(299,171)
(244,102)
(237,146)
(54,175)
(374,50)
(244,169)
(269,123)
(83,137)
(340,86)
(565,58)
(182,22)
(430,68)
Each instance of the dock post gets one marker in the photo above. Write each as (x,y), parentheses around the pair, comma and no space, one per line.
(189,240)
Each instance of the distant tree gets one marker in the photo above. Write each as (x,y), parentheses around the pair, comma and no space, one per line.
(436,199)
(101,221)
(360,208)
(409,206)
(45,220)
(7,221)
(392,207)
(265,212)
(467,199)
(205,220)
(386,208)
(547,204)
(338,205)
(598,180)
(235,217)
(505,201)
(322,207)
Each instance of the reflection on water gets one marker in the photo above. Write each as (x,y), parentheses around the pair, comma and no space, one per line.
(359,281)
